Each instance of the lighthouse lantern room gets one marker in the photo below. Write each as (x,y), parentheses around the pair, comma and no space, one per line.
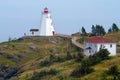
(47,28)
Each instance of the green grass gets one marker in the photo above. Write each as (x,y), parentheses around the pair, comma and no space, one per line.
(4,61)
(65,69)
(31,58)
(115,36)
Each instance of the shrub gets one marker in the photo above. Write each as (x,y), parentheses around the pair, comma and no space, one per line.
(111,74)
(79,57)
(60,59)
(81,71)
(86,64)
(99,56)
(94,59)
(114,71)
(103,54)
(52,72)
(69,56)
(45,63)
(38,76)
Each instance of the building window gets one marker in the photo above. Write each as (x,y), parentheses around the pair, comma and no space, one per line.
(110,45)
(90,52)
(100,46)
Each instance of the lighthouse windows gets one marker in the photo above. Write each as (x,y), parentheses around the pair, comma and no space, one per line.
(51,24)
(50,17)
(47,16)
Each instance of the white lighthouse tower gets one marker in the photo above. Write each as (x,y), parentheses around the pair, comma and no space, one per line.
(47,28)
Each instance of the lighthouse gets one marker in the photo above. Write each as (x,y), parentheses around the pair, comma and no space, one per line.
(47,28)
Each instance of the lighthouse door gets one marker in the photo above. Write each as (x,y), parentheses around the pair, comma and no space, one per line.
(53,33)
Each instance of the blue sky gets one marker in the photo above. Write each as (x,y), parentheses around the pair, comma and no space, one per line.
(18,16)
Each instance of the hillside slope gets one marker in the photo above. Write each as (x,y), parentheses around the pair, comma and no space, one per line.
(115,36)
(28,51)
(55,57)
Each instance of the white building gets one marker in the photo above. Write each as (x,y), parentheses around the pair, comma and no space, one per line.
(47,28)
(94,44)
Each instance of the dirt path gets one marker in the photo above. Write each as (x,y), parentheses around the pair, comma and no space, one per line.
(73,39)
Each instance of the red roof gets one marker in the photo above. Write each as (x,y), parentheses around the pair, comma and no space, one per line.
(46,10)
(99,39)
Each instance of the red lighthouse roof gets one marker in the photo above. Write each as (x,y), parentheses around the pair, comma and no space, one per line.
(99,39)
(46,10)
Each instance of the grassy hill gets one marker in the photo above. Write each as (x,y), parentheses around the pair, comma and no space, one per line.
(55,57)
(115,36)
(27,53)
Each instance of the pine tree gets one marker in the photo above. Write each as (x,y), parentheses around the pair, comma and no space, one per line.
(93,30)
(115,27)
(109,30)
(100,30)
(83,31)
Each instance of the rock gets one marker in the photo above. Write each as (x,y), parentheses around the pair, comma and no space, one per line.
(9,56)
(13,78)
(34,48)
(1,78)
(1,74)
(20,55)
(11,72)
(1,53)
(53,50)
(53,40)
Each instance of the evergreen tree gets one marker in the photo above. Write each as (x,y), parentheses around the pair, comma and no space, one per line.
(109,30)
(93,30)
(115,27)
(83,31)
(100,30)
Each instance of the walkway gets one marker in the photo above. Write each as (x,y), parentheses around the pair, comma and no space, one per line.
(73,39)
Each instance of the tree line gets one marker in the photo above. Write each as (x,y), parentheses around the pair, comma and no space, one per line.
(98,30)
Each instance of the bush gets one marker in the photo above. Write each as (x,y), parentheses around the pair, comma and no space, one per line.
(52,59)
(111,74)
(60,59)
(38,76)
(81,71)
(45,63)
(84,69)
(79,57)
(86,64)
(52,72)
(94,59)
(99,56)
(69,56)
(103,54)
(114,71)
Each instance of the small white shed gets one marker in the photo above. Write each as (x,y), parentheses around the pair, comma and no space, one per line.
(93,45)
